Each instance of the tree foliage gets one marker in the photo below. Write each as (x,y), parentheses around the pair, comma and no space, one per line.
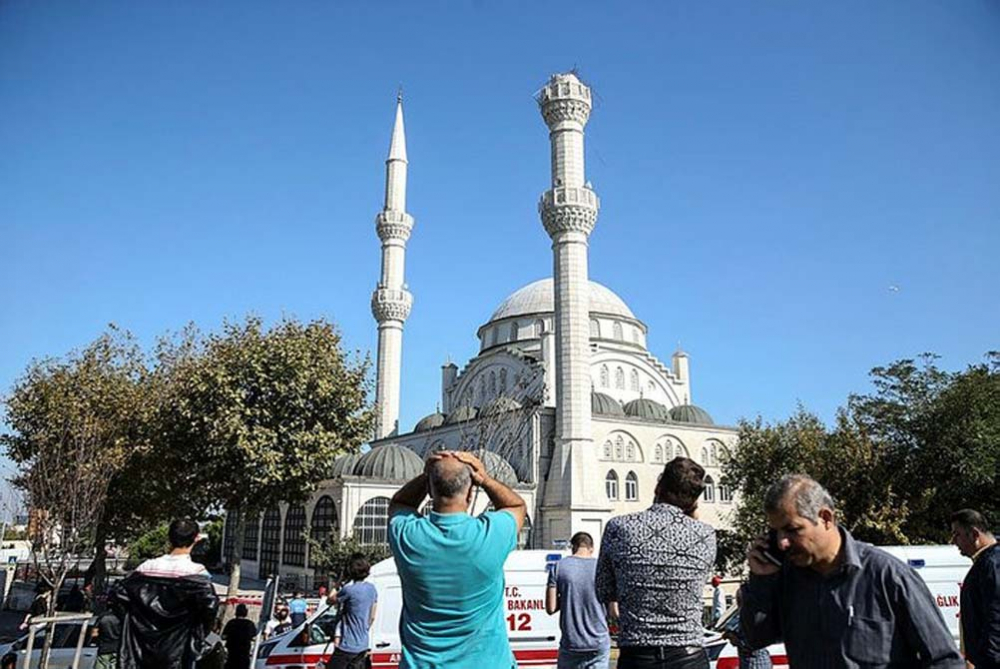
(898,461)
(257,416)
(74,423)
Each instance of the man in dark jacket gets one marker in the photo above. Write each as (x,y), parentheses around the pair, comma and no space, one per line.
(169,606)
(980,590)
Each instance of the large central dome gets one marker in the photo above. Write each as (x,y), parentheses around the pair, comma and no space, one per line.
(539,298)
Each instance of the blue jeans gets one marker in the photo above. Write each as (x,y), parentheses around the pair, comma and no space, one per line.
(586,659)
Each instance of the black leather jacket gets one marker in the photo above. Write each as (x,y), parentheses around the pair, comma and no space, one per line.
(166,621)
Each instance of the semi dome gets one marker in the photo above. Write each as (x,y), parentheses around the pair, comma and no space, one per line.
(539,298)
(689,413)
(344,465)
(461,414)
(647,410)
(390,462)
(430,422)
(605,405)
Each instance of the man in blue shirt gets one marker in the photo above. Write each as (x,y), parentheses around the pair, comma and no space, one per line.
(357,601)
(451,565)
(585,641)
(298,608)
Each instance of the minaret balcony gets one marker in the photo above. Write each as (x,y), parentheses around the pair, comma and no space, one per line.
(392,224)
(391,304)
(569,209)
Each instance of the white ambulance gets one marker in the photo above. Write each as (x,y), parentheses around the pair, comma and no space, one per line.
(534,635)
(943,569)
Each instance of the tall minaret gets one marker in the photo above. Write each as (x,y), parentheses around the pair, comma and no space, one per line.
(391,301)
(569,212)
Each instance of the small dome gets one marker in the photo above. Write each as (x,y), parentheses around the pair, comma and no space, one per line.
(497,467)
(461,414)
(500,405)
(605,405)
(389,462)
(344,465)
(689,413)
(430,422)
(647,410)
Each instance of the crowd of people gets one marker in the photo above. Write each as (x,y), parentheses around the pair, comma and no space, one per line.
(832,600)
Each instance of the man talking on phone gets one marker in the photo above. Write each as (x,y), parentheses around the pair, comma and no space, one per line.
(834,601)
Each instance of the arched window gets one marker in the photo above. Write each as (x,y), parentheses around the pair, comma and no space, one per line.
(539,327)
(607,450)
(681,451)
(620,378)
(229,535)
(630,451)
(369,524)
(725,494)
(619,448)
(709,489)
(611,485)
(493,384)
(618,331)
(634,380)
(595,328)
(503,381)
(325,526)
(270,543)
(524,536)
(482,389)
(704,456)
(723,454)
(631,487)
(251,536)
(659,453)
(513,331)
(493,336)
(604,376)
(635,335)
(294,552)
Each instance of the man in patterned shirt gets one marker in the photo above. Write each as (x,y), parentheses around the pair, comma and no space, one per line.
(655,563)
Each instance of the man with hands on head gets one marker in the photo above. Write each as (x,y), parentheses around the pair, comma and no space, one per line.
(451,565)
(835,601)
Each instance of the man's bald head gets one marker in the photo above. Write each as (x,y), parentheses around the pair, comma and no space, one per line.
(449,478)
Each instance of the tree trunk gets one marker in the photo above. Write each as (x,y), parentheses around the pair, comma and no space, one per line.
(51,628)
(99,567)
(237,556)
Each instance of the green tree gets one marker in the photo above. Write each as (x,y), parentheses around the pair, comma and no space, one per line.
(74,424)
(898,461)
(333,555)
(257,416)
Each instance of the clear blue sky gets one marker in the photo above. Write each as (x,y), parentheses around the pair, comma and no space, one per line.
(767,170)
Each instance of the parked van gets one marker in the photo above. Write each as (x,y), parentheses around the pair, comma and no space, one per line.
(943,569)
(534,635)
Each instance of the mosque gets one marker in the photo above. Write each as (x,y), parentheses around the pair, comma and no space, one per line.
(564,401)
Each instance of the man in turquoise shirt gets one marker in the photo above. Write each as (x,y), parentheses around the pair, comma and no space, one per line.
(451,565)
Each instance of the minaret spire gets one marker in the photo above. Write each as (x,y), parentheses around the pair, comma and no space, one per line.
(391,301)
(568,210)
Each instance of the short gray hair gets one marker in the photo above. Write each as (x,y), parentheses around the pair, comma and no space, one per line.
(808,496)
(449,483)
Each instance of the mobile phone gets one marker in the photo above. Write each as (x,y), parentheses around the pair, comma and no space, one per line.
(773,553)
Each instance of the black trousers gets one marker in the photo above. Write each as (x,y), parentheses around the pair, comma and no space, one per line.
(662,657)
(344,660)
